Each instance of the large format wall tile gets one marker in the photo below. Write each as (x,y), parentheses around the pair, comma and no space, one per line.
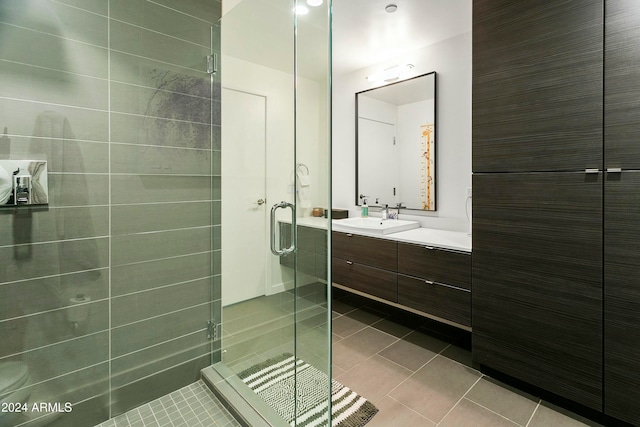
(114,94)
(96,6)
(130,219)
(38,119)
(140,335)
(53,52)
(38,330)
(143,305)
(134,248)
(161,103)
(132,129)
(57,19)
(51,293)
(127,68)
(64,357)
(143,363)
(209,11)
(50,86)
(126,189)
(61,258)
(54,224)
(142,276)
(159,160)
(139,41)
(62,155)
(162,19)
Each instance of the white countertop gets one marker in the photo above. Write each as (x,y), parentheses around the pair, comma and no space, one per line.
(454,240)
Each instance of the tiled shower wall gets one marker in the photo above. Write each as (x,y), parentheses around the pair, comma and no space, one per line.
(115,95)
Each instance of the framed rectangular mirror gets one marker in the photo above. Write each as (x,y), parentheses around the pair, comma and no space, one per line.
(396,144)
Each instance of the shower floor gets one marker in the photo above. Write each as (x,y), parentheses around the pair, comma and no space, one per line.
(192,406)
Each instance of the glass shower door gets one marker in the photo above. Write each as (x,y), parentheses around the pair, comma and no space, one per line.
(275,326)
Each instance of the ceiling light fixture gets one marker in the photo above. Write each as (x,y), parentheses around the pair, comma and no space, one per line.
(301,10)
(390,8)
(390,74)
(314,3)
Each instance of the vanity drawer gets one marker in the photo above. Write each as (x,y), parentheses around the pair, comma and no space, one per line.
(440,300)
(379,253)
(373,281)
(436,265)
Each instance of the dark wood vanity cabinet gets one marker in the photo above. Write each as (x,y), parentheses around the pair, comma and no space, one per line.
(311,254)
(556,197)
(435,281)
(365,264)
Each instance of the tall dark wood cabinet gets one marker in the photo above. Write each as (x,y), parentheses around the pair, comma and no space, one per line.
(556,227)
(622,211)
(537,193)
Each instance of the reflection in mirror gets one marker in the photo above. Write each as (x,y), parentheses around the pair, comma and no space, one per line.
(23,182)
(395,144)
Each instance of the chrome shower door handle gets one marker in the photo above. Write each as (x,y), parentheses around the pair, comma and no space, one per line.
(291,248)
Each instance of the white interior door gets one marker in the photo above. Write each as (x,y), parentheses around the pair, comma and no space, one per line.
(244,218)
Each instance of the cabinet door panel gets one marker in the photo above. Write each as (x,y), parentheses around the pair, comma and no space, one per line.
(622,82)
(379,253)
(537,280)
(452,268)
(537,85)
(442,301)
(622,296)
(373,281)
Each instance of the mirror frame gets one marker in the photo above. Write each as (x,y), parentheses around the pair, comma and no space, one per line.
(435,132)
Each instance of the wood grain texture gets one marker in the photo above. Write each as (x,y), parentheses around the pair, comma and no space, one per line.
(537,85)
(622,82)
(379,253)
(622,296)
(373,281)
(438,265)
(537,280)
(442,301)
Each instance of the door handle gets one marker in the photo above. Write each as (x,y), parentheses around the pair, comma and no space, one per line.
(274,250)
(261,202)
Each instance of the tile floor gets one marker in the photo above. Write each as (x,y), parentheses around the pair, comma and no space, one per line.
(418,373)
(191,406)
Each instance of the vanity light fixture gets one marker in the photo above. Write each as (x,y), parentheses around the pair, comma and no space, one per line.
(314,3)
(390,74)
(301,10)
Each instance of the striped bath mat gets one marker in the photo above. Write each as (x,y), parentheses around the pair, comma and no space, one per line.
(273,380)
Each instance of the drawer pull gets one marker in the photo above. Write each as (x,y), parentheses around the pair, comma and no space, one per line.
(429,247)
(350,262)
(349,235)
(429,282)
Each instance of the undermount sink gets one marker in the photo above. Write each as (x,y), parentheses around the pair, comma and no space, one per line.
(372,225)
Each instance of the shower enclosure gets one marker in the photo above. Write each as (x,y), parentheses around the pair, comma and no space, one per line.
(170,129)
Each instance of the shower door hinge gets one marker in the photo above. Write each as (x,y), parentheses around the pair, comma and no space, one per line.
(212,330)
(212,63)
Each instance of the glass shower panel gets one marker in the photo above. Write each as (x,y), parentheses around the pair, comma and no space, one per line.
(105,293)
(164,195)
(313,174)
(275,169)
(54,277)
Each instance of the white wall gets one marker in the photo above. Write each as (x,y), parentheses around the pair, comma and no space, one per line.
(451,59)
(311,149)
